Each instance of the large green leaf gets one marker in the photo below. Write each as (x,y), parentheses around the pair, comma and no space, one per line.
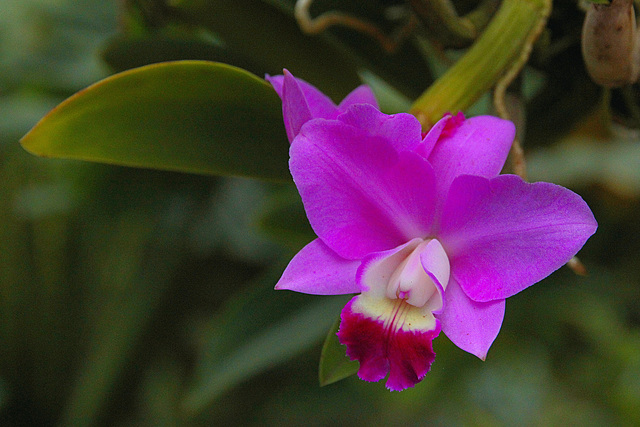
(188,116)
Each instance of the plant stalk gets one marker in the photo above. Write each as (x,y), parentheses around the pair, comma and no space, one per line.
(512,31)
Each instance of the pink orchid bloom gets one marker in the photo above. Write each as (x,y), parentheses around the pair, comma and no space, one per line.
(302,102)
(424,230)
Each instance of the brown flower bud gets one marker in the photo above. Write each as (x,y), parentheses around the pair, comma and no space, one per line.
(610,43)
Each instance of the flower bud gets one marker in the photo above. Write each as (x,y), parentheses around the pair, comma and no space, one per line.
(610,43)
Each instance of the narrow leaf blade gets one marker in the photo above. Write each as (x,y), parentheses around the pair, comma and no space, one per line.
(239,346)
(334,363)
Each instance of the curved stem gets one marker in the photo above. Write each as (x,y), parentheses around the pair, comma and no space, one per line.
(329,19)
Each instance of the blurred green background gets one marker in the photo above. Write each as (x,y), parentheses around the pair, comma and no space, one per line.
(139,297)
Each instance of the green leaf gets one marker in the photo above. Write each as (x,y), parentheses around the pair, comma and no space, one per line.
(258,330)
(188,116)
(334,363)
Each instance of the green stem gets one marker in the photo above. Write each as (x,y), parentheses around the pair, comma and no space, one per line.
(485,62)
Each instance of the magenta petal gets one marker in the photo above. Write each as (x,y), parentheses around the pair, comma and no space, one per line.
(360,95)
(320,105)
(360,195)
(276,82)
(472,326)
(402,130)
(503,235)
(406,355)
(301,102)
(317,270)
(479,146)
(444,127)
(295,109)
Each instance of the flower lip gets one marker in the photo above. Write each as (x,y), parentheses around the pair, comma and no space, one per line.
(384,345)
(389,327)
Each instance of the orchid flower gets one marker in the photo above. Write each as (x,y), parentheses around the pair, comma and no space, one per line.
(423,229)
(302,101)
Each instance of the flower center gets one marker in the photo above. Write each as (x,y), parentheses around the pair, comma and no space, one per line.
(404,288)
(411,282)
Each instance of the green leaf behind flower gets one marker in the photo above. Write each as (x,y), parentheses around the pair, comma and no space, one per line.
(334,363)
(188,116)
